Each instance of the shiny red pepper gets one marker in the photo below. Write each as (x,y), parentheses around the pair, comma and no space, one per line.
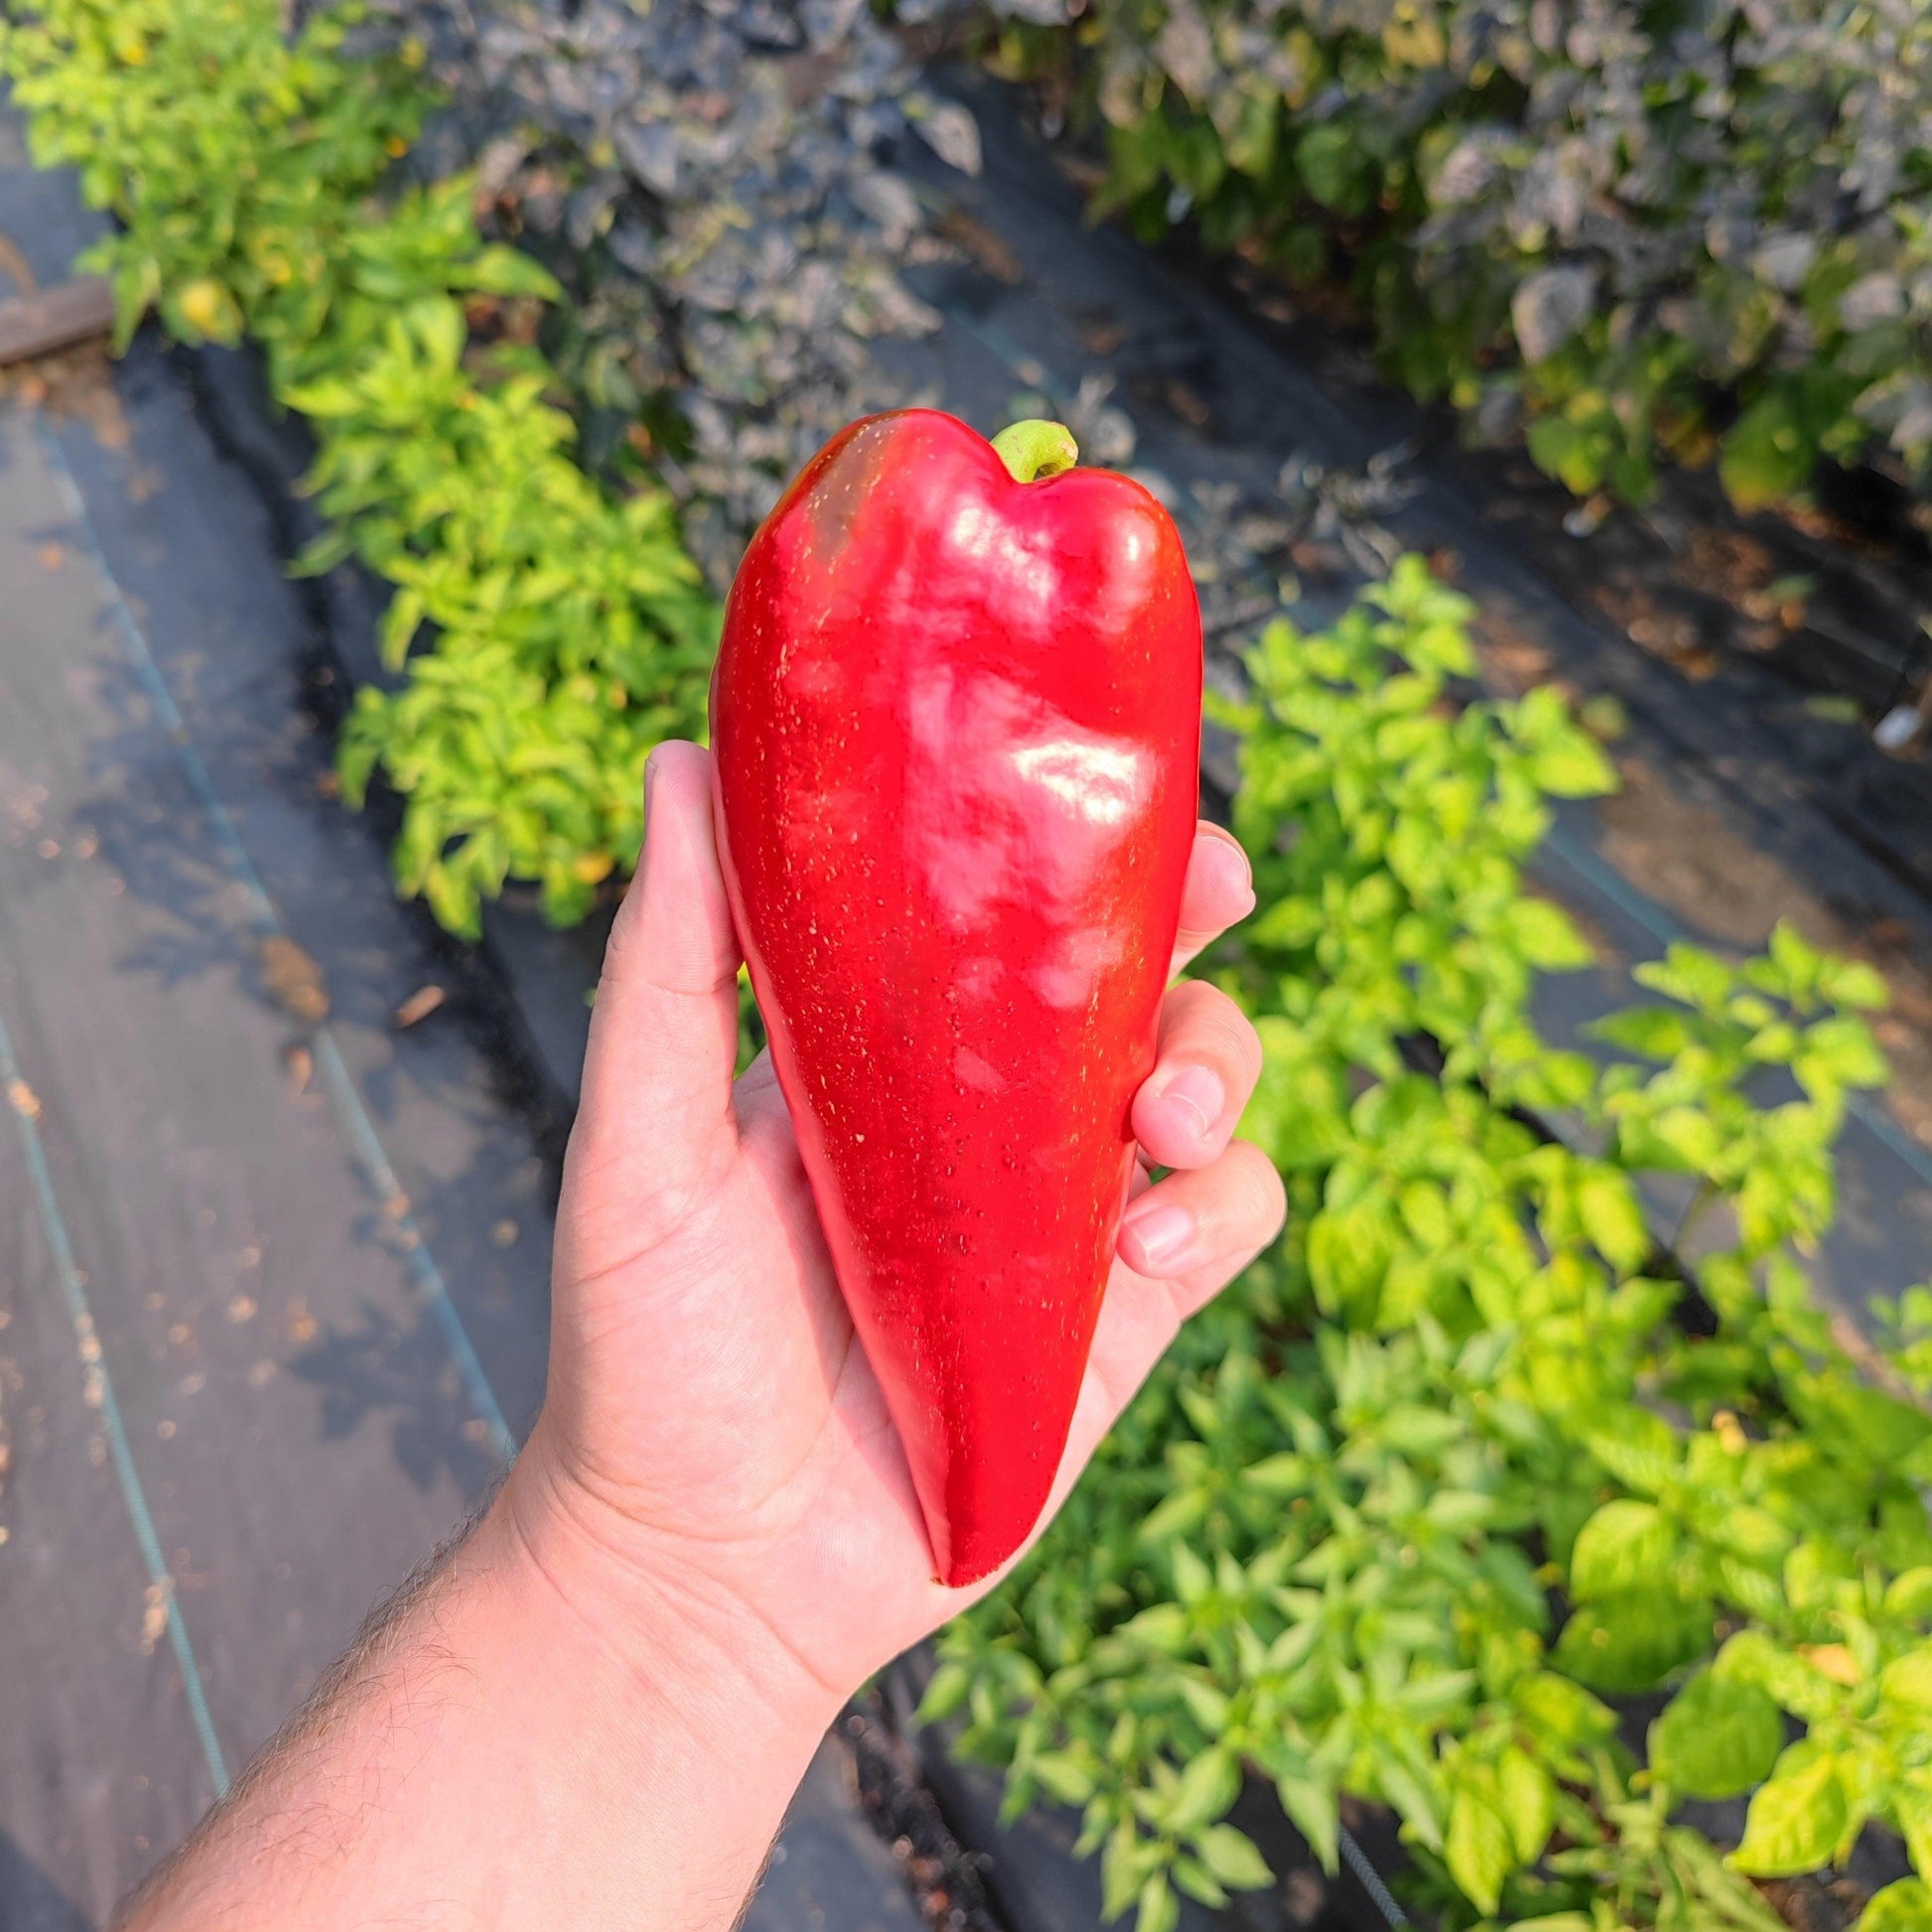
(956,720)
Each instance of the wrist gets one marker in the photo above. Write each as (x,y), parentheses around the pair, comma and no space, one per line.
(686,1644)
(547,1730)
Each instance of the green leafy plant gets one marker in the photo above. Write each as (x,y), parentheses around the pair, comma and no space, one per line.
(545,630)
(569,634)
(230,160)
(1471,1452)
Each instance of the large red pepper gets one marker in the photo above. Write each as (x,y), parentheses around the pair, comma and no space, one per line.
(957,727)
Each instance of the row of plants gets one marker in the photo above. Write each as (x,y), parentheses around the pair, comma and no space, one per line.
(1470,1454)
(546,629)
(712,182)
(1471,1473)
(1662,234)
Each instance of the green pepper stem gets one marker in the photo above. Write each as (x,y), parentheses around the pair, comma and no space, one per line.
(1034,449)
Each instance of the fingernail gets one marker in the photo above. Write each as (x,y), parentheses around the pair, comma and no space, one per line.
(1199,1095)
(651,778)
(1161,1231)
(1231,861)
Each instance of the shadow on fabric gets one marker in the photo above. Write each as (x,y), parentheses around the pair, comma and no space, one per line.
(30,1901)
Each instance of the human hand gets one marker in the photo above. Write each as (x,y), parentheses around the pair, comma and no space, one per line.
(592,1708)
(714,1465)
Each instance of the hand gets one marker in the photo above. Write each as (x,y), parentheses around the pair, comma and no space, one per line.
(593,1708)
(715,1455)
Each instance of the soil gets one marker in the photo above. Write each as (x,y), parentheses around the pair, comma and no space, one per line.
(74,383)
(944,1878)
(1811,1905)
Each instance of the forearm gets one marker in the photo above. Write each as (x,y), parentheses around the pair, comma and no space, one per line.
(495,1753)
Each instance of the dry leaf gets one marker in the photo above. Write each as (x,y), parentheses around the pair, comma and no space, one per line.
(154,1614)
(1835,1661)
(420,1005)
(990,251)
(293,979)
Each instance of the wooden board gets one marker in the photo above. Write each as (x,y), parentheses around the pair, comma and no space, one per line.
(57,318)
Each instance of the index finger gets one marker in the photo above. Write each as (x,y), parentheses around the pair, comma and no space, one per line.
(1219,892)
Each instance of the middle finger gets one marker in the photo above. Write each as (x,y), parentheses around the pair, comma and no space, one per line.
(1219,892)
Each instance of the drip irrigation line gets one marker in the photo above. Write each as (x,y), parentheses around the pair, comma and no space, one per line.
(1359,1864)
(346,1102)
(100,1383)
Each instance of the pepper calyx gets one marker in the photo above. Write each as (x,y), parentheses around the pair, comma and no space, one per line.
(1034,449)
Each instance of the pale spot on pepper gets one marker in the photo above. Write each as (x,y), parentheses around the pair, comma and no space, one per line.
(976,1073)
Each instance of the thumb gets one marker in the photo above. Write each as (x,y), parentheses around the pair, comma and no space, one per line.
(657,1076)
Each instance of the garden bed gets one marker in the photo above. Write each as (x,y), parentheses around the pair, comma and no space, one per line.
(1007,303)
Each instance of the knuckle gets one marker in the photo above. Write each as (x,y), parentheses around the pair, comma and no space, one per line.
(1184,1000)
(1263,1198)
(1209,1022)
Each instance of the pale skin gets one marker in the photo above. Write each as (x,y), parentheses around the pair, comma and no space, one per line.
(593,1711)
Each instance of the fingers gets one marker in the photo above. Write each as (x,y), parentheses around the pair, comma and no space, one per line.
(1192,1230)
(1204,1069)
(1219,892)
(657,1078)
